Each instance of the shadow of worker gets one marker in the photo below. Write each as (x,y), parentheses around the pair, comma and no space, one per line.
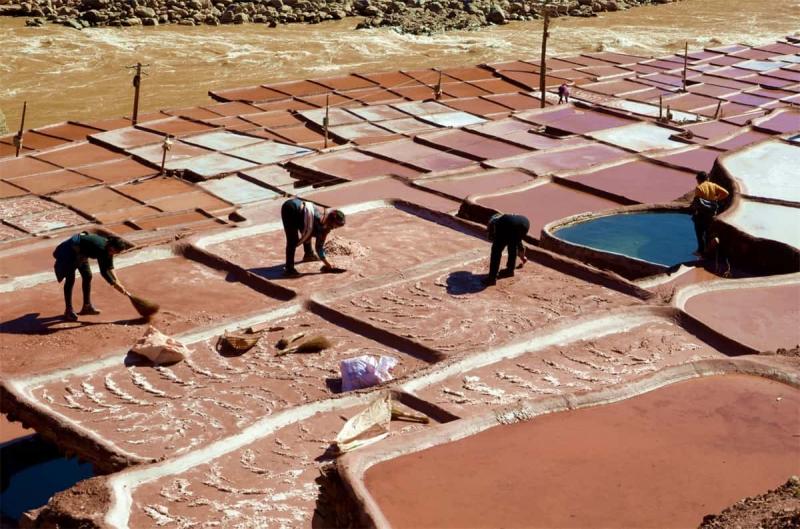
(34,324)
(464,282)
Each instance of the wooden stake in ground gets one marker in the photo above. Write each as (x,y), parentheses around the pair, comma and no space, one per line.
(18,136)
(326,120)
(437,92)
(137,83)
(543,64)
(685,62)
(165,147)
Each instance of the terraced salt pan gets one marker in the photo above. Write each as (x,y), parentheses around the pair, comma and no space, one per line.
(587,364)
(450,310)
(767,170)
(32,316)
(271,481)
(639,137)
(766,221)
(761,316)
(375,242)
(545,202)
(147,411)
(661,451)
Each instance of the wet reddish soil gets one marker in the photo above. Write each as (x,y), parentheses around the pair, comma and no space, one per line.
(31,318)
(545,203)
(764,318)
(151,411)
(78,154)
(582,365)
(117,171)
(664,458)
(383,239)
(46,183)
(452,312)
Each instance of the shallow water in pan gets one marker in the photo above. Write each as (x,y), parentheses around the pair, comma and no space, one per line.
(664,238)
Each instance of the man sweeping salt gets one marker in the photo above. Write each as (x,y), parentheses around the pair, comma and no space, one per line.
(303,220)
(74,254)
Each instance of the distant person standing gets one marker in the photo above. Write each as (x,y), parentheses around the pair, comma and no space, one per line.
(506,231)
(563,93)
(74,254)
(303,220)
(706,204)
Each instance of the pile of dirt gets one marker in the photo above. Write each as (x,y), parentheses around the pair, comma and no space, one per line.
(81,507)
(406,16)
(340,247)
(775,509)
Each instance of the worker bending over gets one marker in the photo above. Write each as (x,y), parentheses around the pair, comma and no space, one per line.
(74,254)
(506,231)
(706,204)
(303,220)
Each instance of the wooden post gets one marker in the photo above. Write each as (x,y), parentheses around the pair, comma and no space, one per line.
(543,63)
(18,137)
(137,82)
(326,119)
(165,147)
(437,92)
(660,108)
(685,62)
(718,112)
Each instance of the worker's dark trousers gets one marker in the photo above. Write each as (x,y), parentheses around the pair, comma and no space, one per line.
(701,223)
(67,261)
(509,232)
(292,217)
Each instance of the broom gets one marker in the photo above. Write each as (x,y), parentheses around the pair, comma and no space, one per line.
(144,307)
(284,342)
(314,344)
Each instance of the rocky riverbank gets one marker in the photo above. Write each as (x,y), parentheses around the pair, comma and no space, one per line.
(408,16)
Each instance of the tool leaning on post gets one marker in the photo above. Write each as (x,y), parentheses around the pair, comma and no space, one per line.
(73,255)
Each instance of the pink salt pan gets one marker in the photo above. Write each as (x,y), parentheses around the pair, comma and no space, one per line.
(662,459)
(764,318)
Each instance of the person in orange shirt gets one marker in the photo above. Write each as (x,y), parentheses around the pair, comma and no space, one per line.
(706,204)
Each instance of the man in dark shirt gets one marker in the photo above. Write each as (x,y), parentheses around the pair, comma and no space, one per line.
(303,220)
(74,254)
(506,231)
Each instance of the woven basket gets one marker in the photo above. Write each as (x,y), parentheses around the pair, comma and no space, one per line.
(236,343)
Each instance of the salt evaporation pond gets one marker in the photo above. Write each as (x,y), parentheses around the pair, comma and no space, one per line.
(663,238)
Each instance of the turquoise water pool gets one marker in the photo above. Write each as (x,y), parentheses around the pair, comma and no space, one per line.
(663,238)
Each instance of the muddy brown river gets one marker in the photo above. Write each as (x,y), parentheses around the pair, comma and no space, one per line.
(67,74)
